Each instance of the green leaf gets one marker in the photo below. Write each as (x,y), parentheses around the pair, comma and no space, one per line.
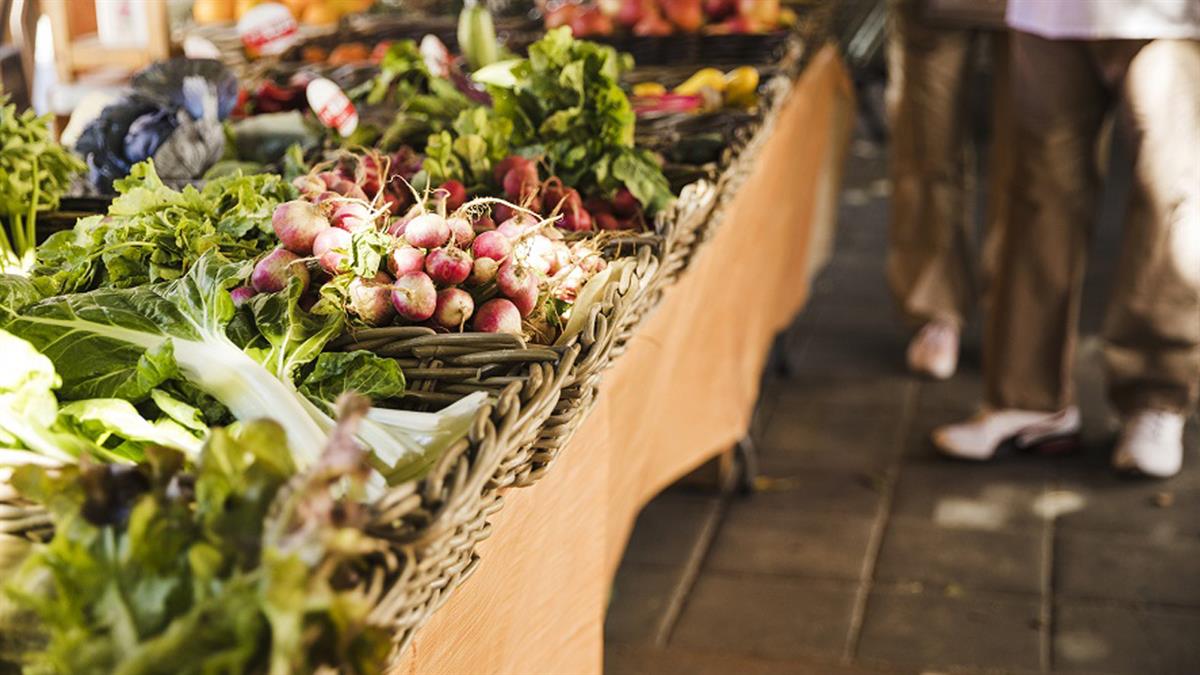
(637,171)
(335,373)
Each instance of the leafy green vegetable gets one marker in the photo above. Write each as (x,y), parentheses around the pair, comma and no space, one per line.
(153,233)
(28,407)
(126,343)
(479,140)
(237,566)
(418,102)
(34,428)
(566,98)
(361,372)
(35,171)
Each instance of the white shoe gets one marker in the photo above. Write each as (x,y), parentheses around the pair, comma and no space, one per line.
(980,437)
(1151,444)
(934,350)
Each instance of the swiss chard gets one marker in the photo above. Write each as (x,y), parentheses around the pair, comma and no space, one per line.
(128,343)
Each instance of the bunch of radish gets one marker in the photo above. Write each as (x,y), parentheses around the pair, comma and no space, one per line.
(519,178)
(442,263)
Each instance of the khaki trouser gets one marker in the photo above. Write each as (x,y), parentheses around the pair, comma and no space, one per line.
(1063,89)
(930,263)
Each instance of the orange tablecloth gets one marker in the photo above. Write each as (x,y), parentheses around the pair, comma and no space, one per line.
(682,393)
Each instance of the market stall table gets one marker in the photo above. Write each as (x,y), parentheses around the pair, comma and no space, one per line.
(682,393)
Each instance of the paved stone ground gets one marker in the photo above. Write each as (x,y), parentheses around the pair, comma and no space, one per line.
(864,552)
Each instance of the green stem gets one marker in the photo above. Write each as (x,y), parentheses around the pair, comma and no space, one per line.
(6,246)
(31,220)
(17,245)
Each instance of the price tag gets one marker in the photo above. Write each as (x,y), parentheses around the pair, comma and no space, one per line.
(332,106)
(268,29)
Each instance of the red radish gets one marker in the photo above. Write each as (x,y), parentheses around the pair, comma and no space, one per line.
(454,307)
(330,247)
(517,226)
(514,278)
(536,252)
(371,175)
(271,274)
(428,230)
(404,259)
(448,266)
(461,231)
(370,301)
(596,205)
(498,316)
(483,270)
(414,296)
(562,257)
(483,223)
(297,223)
(502,213)
(507,164)
(456,194)
(492,244)
(526,299)
(398,226)
(625,204)
(327,196)
(353,216)
(330,178)
(308,184)
(520,180)
(578,220)
(242,294)
(606,221)
(394,204)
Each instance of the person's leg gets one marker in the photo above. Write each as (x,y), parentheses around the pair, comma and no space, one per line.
(1059,103)
(927,267)
(1152,329)
(1000,161)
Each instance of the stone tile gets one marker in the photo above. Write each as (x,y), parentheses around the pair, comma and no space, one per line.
(668,528)
(850,353)
(1111,567)
(765,541)
(798,438)
(932,630)
(819,490)
(627,660)
(1091,638)
(996,496)
(952,560)
(1104,502)
(950,400)
(640,596)
(765,616)
(869,397)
